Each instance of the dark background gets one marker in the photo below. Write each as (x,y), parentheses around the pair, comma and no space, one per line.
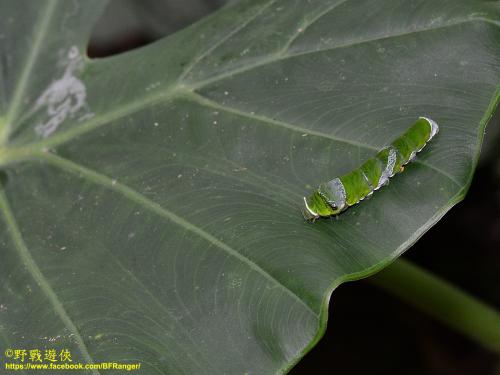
(368,330)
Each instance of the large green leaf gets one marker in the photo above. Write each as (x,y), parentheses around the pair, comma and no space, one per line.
(151,201)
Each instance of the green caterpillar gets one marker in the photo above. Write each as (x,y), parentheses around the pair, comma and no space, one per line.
(335,196)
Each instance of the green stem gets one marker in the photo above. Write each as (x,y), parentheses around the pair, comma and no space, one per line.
(442,300)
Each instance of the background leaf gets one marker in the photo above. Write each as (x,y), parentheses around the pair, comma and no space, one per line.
(151,201)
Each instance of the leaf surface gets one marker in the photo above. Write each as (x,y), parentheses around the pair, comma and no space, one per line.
(151,200)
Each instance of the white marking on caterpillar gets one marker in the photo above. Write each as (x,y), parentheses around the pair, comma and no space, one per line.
(338,195)
(388,171)
(64,97)
(434,127)
(309,208)
(412,157)
(368,182)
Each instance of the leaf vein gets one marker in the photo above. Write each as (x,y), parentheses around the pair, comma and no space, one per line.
(38,276)
(180,90)
(140,199)
(220,42)
(26,71)
(311,22)
(278,56)
(209,103)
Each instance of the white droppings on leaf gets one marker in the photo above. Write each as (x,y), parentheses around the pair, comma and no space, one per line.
(54,338)
(235,282)
(153,86)
(64,98)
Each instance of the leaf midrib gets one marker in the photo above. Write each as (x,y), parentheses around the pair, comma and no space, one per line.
(152,206)
(38,276)
(11,155)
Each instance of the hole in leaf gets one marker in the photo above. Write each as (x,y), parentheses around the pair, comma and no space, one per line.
(130,24)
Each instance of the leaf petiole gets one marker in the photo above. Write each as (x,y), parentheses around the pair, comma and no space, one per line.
(443,301)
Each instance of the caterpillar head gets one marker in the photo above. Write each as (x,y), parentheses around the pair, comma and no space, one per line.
(316,206)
